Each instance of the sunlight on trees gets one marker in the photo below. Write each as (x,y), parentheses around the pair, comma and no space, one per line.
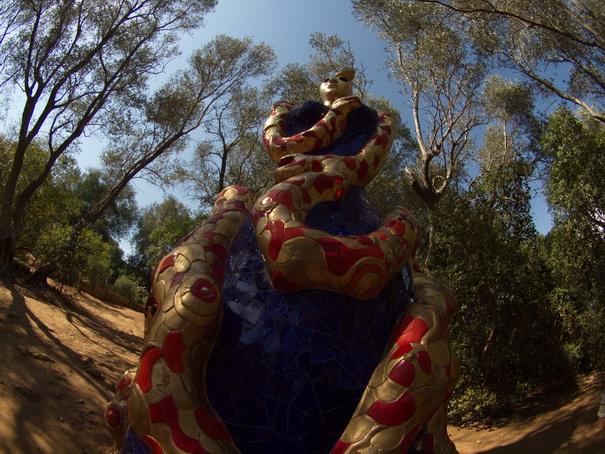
(558,44)
(76,64)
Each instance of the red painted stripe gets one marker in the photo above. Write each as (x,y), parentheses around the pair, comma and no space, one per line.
(410,329)
(276,229)
(166,412)
(393,413)
(153,445)
(168,262)
(403,373)
(212,427)
(281,284)
(148,359)
(172,352)
(340,447)
(332,252)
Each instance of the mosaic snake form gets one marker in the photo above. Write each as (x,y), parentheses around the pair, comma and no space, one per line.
(403,406)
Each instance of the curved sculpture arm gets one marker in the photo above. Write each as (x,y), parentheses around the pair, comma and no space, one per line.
(167,403)
(358,170)
(299,257)
(320,135)
(410,387)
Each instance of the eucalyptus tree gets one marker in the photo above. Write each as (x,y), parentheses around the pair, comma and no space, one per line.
(232,152)
(558,44)
(69,66)
(162,122)
(510,153)
(429,57)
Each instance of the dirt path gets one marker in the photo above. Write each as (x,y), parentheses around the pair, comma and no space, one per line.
(570,428)
(61,359)
(59,365)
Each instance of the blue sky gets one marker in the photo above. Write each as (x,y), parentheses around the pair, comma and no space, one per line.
(287,27)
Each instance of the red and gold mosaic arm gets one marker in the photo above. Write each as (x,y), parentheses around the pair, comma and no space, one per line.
(299,257)
(410,387)
(166,399)
(321,134)
(358,170)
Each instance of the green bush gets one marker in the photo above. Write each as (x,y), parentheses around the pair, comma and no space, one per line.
(473,404)
(130,288)
(98,270)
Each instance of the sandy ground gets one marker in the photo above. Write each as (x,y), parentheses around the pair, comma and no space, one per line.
(61,358)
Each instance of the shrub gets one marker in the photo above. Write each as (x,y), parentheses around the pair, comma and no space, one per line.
(130,288)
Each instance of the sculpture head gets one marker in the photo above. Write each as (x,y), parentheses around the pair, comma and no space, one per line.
(337,86)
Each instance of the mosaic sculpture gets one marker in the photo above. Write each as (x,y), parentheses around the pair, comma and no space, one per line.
(299,317)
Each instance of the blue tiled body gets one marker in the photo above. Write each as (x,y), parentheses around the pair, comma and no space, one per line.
(288,370)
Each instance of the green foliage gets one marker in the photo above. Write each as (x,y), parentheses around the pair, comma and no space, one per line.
(158,230)
(576,245)
(98,270)
(91,260)
(46,221)
(504,332)
(130,287)
(577,167)
(120,214)
(473,404)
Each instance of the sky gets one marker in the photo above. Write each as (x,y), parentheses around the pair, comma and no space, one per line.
(287,27)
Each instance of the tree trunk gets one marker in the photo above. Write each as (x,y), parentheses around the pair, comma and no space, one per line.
(431,242)
(41,275)
(7,255)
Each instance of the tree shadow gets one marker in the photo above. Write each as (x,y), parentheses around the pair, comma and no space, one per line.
(541,442)
(563,431)
(42,373)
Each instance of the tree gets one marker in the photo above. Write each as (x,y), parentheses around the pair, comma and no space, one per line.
(161,123)
(76,64)
(431,60)
(544,40)
(159,227)
(119,216)
(575,247)
(232,152)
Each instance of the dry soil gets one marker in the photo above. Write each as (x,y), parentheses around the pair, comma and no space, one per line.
(60,358)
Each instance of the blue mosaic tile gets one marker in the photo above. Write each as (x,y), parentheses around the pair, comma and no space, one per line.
(318,350)
(133,444)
